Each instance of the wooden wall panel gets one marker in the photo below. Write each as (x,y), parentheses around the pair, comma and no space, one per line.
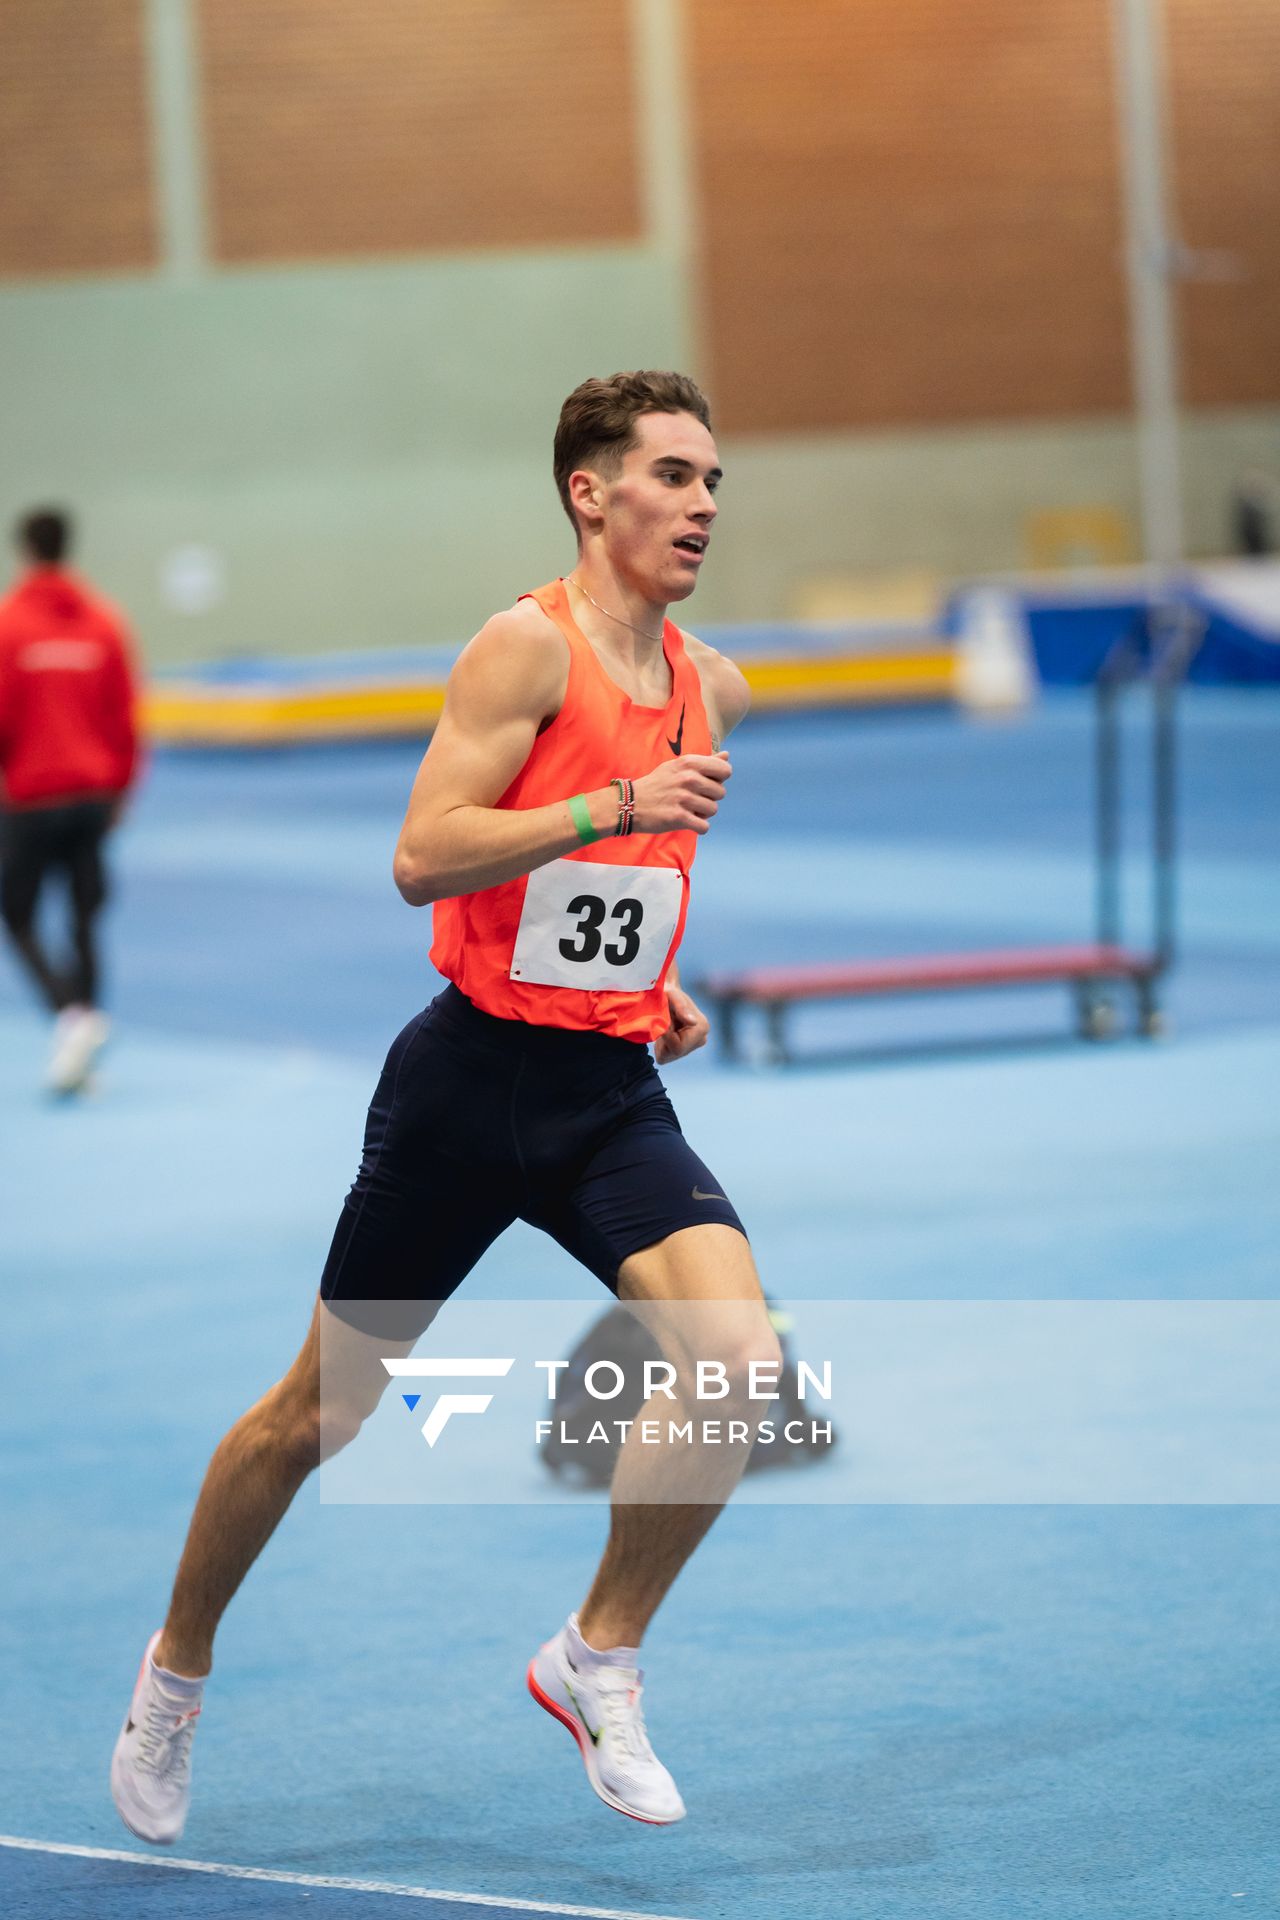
(75,168)
(910,211)
(393,126)
(1225,86)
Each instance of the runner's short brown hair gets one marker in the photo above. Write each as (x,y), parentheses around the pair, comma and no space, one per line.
(597,422)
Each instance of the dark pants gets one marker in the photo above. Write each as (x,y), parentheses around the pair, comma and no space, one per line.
(36,842)
(477,1122)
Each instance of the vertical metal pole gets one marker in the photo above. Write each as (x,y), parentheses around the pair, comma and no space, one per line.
(176,138)
(1107,808)
(664,117)
(1165,778)
(1151,255)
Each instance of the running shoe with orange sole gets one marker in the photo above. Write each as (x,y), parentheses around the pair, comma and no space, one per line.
(601,1709)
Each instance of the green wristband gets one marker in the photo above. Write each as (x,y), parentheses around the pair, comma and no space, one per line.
(582,820)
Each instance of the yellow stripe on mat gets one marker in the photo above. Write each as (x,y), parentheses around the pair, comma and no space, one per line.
(199,716)
(852,679)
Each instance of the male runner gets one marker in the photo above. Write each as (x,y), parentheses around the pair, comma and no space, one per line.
(68,753)
(553,823)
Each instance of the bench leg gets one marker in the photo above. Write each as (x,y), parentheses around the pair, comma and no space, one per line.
(1095,1011)
(775,1038)
(1151,1020)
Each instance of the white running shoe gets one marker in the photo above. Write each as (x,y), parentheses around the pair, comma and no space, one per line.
(601,1709)
(79,1035)
(151,1766)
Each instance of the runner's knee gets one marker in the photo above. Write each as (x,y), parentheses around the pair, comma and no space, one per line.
(751,1359)
(735,1356)
(337,1414)
(339,1421)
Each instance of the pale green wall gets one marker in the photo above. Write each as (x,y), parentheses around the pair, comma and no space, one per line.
(369,450)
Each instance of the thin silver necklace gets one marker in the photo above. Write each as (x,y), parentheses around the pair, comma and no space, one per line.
(612,616)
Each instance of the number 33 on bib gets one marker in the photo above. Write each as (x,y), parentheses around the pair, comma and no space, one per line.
(596,926)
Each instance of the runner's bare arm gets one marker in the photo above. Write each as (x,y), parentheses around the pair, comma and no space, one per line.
(688,1026)
(503,686)
(725,693)
(726,697)
(506,683)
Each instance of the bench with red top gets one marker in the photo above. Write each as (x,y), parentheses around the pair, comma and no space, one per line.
(1090,969)
(1157,653)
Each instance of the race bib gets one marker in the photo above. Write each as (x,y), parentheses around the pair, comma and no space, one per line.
(598,927)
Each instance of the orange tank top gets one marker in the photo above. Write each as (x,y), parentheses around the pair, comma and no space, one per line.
(585,941)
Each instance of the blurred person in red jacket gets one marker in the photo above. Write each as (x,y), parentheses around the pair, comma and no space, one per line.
(68,754)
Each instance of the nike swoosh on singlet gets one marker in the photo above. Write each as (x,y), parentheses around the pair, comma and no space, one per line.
(593,1736)
(676,744)
(706,1196)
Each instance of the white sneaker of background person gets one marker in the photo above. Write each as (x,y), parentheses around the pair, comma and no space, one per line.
(151,1766)
(79,1035)
(597,1696)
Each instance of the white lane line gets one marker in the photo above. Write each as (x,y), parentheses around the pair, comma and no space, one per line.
(329,1880)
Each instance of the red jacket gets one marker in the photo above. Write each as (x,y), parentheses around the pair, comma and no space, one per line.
(67,693)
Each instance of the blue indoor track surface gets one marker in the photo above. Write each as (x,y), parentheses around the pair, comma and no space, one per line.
(919,1712)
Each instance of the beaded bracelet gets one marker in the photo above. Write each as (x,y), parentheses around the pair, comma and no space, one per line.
(626,806)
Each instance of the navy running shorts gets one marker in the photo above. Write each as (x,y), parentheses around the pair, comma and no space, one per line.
(477,1122)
